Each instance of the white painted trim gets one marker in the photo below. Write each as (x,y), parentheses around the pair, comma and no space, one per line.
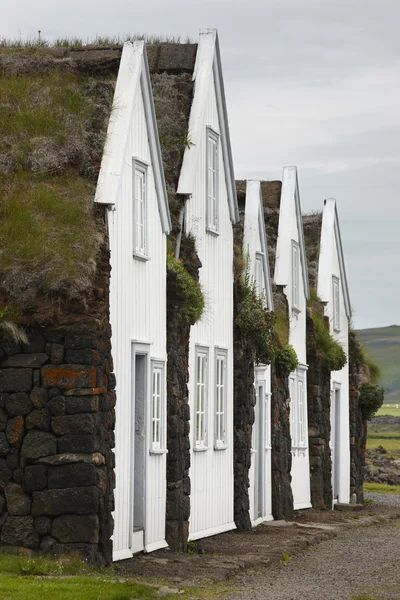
(133,75)
(122,554)
(155,546)
(254,195)
(302,505)
(212,531)
(262,520)
(208,62)
(290,193)
(330,229)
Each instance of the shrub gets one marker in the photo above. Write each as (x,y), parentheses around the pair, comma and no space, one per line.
(256,323)
(286,360)
(193,299)
(371,399)
(331,351)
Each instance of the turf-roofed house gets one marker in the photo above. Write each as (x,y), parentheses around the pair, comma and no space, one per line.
(291,273)
(328,352)
(57,385)
(193,128)
(254,346)
(60,233)
(131,187)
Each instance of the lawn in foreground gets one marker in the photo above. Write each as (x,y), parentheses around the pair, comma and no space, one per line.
(382,488)
(63,578)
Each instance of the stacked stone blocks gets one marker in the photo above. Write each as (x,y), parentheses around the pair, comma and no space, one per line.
(57,422)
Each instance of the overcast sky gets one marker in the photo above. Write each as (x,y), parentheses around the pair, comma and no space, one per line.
(312,83)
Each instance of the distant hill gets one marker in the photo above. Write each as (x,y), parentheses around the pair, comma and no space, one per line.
(383,345)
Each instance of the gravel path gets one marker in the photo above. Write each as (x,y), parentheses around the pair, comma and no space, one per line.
(363,560)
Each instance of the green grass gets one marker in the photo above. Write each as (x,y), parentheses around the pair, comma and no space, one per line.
(383,345)
(382,488)
(48,234)
(389,409)
(63,578)
(387,443)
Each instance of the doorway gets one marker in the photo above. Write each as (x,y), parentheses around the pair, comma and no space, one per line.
(140,394)
(335,440)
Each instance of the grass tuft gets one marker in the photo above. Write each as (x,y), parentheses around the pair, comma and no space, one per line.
(382,488)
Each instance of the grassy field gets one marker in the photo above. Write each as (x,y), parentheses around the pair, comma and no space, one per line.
(67,578)
(382,488)
(389,409)
(383,344)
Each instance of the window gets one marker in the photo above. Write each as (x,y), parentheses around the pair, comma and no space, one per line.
(157,406)
(298,408)
(212,181)
(139,209)
(295,275)
(259,275)
(267,417)
(336,303)
(201,397)
(220,398)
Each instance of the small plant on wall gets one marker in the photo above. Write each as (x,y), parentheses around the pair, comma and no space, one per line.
(371,399)
(256,322)
(193,299)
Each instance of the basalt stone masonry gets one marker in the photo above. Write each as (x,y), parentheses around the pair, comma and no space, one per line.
(282,497)
(358,423)
(244,392)
(319,424)
(57,421)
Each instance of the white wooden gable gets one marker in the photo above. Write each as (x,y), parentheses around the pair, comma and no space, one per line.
(133,78)
(331,241)
(255,235)
(208,66)
(290,200)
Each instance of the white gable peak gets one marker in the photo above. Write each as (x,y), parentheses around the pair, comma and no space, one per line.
(207,67)
(290,200)
(133,78)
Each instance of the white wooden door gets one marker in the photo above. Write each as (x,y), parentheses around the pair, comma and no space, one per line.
(299,434)
(260,471)
(140,397)
(335,439)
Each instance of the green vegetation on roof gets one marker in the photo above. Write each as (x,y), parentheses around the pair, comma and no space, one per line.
(330,350)
(53,123)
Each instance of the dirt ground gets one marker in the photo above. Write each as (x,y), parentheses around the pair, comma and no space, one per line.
(218,558)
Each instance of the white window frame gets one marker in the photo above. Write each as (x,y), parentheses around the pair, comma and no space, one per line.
(201,384)
(267,421)
(220,386)
(140,250)
(157,418)
(212,181)
(336,302)
(298,409)
(259,276)
(295,276)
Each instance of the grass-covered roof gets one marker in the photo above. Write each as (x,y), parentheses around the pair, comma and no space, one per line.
(54,110)
(312,225)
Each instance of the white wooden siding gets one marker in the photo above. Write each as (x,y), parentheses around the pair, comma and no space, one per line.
(211,470)
(138,313)
(252,249)
(297,324)
(341,377)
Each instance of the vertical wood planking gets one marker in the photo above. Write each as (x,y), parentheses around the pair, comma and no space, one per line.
(212,471)
(138,313)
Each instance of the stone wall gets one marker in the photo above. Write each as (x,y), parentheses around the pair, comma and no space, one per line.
(358,424)
(178,421)
(282,497)
(57,421)
(243,420)
(319,423)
